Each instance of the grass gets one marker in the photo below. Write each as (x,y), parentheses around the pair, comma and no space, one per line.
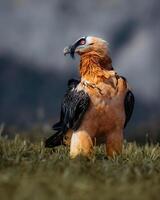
(29,171)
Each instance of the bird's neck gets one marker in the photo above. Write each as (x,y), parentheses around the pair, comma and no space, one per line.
(95,68)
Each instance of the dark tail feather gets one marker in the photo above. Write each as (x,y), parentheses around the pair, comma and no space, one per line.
(59,126)
(54,140)
(57,138)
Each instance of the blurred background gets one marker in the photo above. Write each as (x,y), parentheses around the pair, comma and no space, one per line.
(34,72)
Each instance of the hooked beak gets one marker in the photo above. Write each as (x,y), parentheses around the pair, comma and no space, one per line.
(66,50)
(69,50)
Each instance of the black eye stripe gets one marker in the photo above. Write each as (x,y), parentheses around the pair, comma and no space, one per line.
(76,44)
(82,41)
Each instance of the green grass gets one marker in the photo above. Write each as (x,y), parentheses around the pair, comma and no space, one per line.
(29,171)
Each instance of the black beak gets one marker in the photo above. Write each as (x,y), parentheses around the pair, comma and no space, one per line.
(69,50)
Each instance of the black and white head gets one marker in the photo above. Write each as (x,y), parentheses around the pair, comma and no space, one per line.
(86,44)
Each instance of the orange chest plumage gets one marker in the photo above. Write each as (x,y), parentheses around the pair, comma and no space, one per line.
(106,108)
(99,80)
(107,92)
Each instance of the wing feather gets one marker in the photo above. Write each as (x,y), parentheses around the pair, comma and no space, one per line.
(129,106)
(73,108)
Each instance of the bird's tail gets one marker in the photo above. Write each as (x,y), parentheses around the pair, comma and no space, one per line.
(57,138)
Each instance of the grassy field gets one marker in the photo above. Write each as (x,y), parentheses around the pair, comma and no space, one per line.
(29,171)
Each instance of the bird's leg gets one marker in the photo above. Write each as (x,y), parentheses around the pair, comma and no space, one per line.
(67,138)
(114,142)
(81,144)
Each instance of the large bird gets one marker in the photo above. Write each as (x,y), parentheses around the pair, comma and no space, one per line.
(98,106)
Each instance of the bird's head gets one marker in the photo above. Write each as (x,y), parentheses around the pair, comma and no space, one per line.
(87,44)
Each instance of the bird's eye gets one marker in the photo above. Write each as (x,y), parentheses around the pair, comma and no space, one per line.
(82,42)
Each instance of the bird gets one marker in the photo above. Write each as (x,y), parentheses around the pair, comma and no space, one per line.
(97,107)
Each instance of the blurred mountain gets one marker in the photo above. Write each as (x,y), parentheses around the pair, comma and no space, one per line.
(39,30)
(29,96)
(33,71)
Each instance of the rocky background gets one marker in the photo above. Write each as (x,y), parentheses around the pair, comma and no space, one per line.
(34,72)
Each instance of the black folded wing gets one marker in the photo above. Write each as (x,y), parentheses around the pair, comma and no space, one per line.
(73,108)
(128,105)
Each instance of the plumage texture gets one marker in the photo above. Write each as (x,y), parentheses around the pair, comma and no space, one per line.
(129,106)
(73,107)
(97,107)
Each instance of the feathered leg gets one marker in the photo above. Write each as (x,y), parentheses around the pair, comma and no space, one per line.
(67,137)
(114,142)
(81,144)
